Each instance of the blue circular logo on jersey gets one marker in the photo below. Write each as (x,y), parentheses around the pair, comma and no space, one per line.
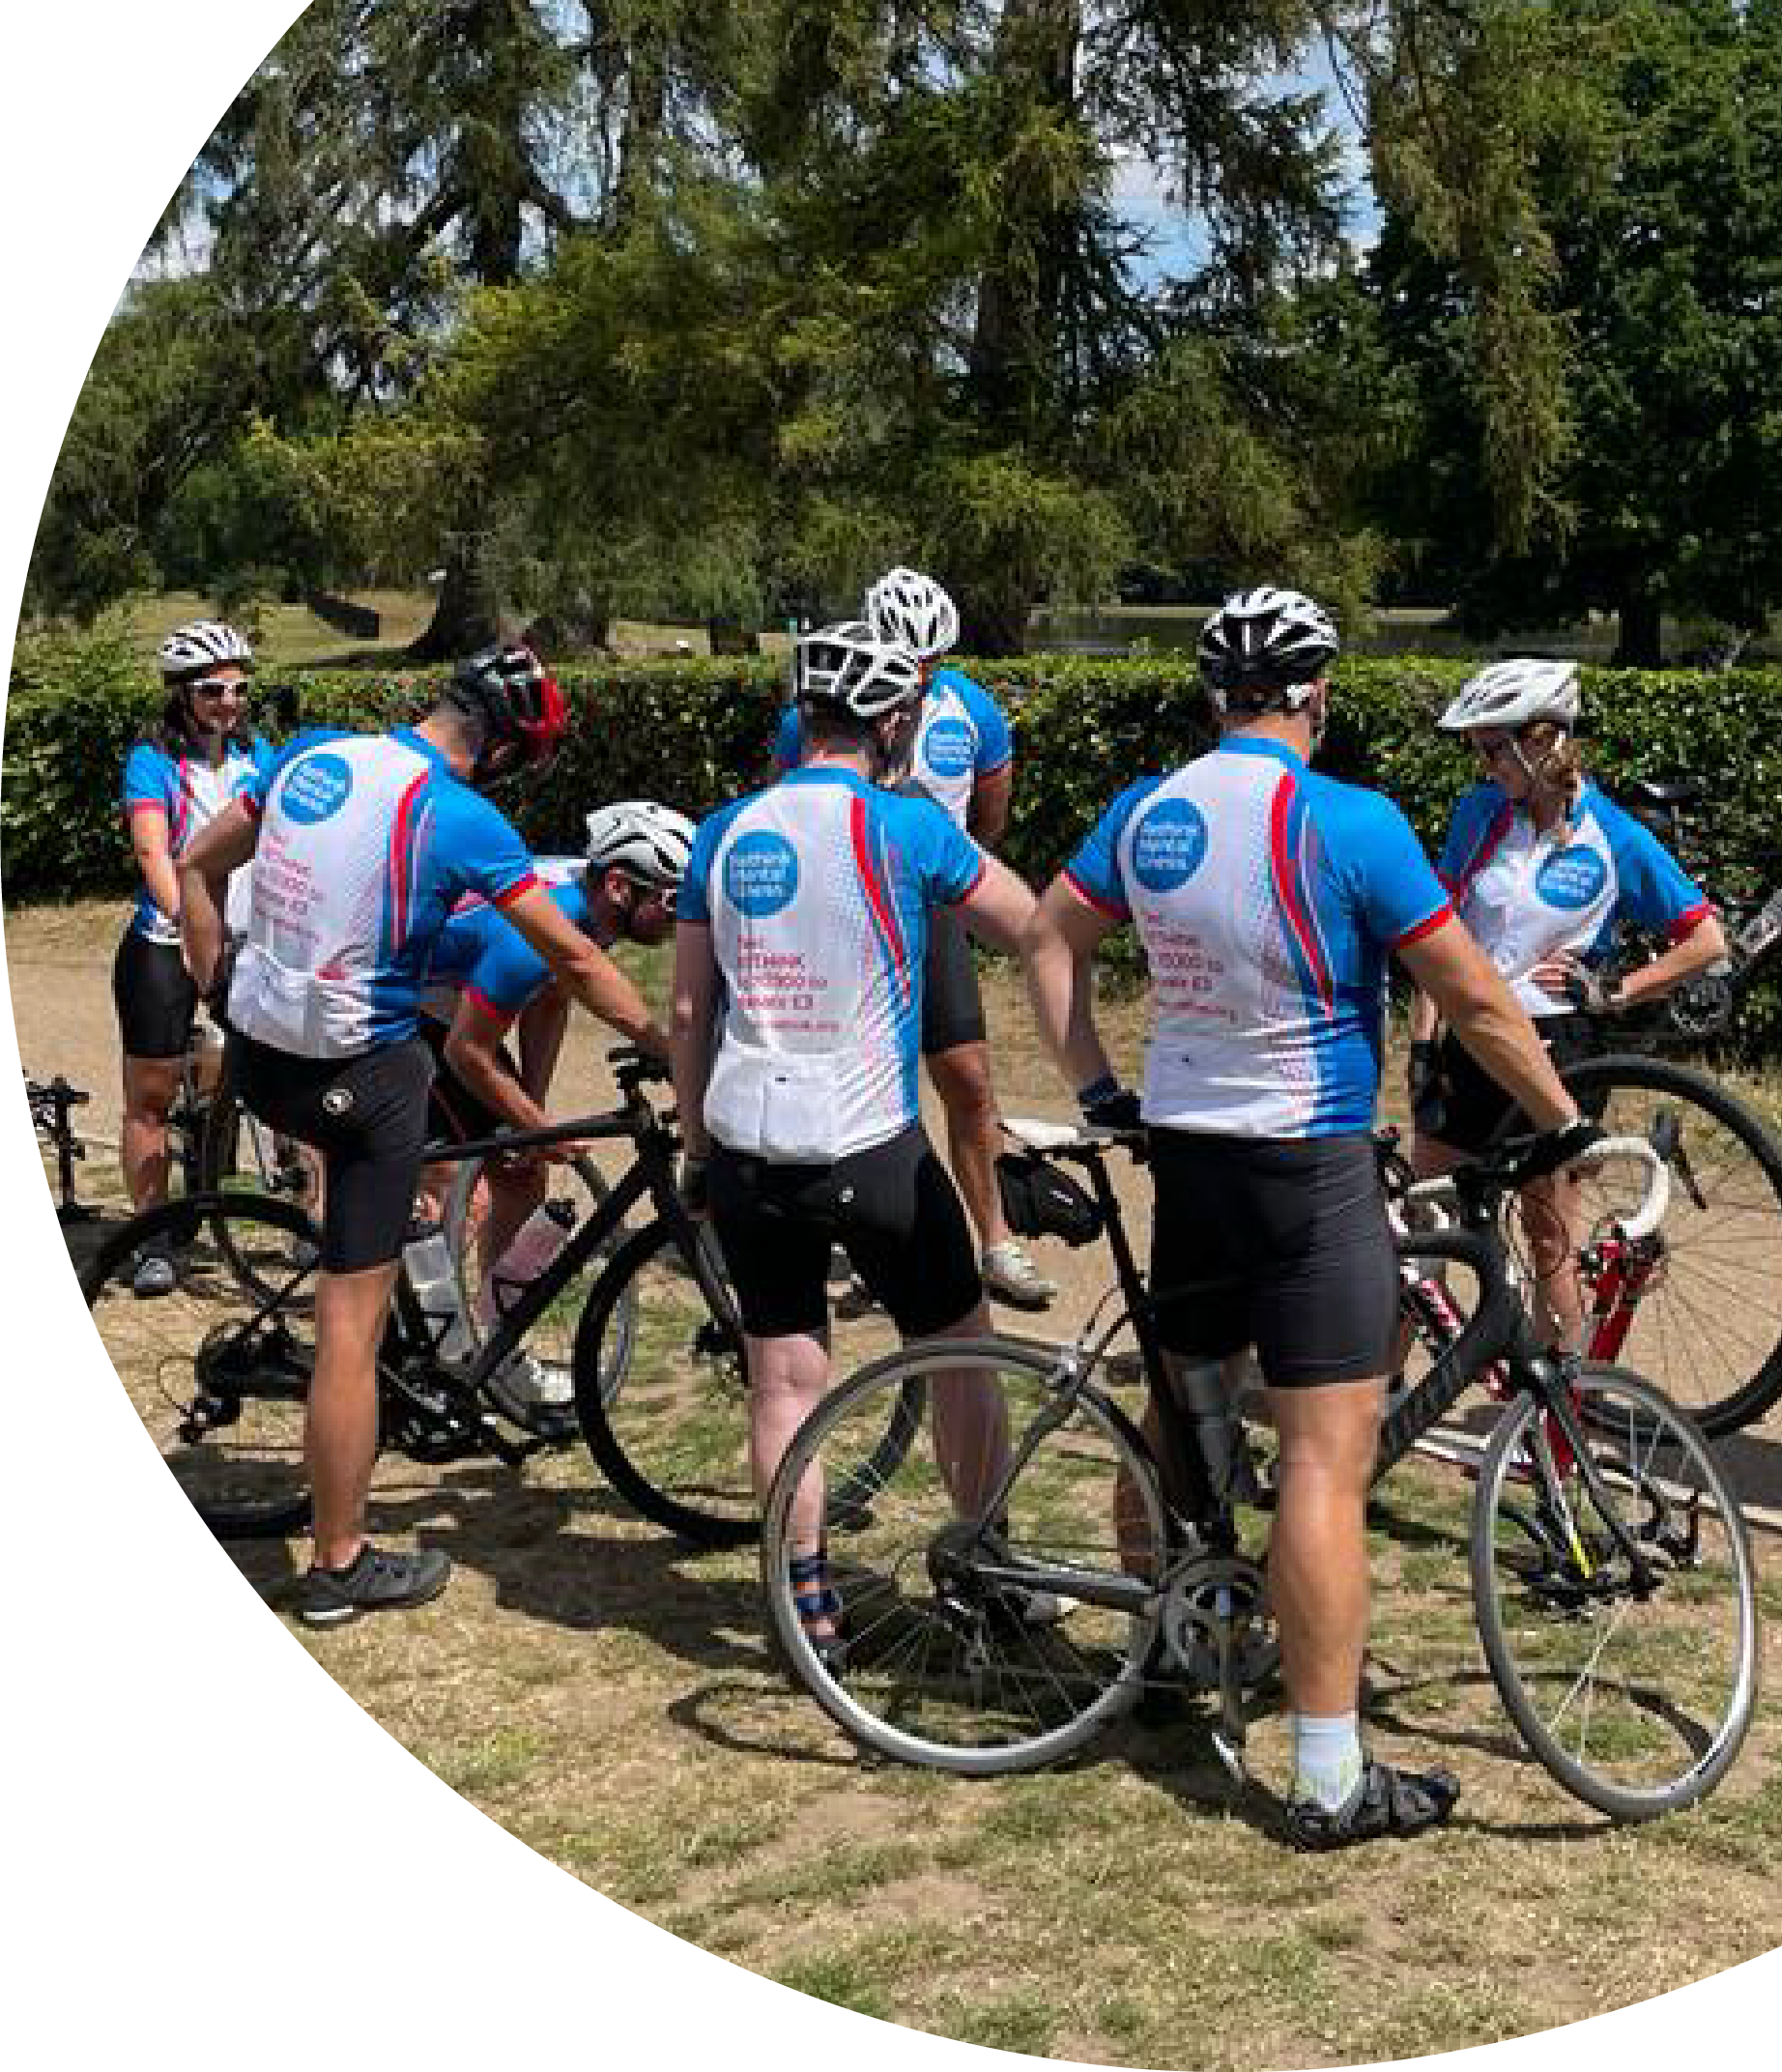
(761,875)
(948,747)
(1571,879)
(1169,846)
(316,788)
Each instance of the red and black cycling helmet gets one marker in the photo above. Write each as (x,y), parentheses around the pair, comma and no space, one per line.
(518,702)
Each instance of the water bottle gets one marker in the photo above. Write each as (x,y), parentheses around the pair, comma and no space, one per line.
(428,1263)
(1764,928)
(531,1250)
(1224,1447)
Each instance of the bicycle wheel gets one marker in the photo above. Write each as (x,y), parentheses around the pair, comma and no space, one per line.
(672,1436)
(239,1155)
(580,1187)
(1708,1324)
(952,1664)
(1634,1693)
(218,1373)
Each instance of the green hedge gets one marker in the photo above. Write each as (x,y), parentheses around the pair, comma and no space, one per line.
(694,732)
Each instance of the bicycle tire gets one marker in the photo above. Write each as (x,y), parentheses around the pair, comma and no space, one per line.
(1549,1582)
(583,1185)
(273,1169)
(1001,1691)
(233,1443)
(672,1438)
(1709,1330)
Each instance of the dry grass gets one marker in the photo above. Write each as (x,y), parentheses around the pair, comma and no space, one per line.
(611,1698)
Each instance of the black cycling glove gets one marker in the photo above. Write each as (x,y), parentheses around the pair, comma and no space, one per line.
(1554,1149)
(1107,1105)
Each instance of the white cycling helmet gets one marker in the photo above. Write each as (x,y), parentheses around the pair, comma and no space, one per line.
(849,664)
(1266,640)
(1515,693)
(199,645)
(905,605)
(648,842)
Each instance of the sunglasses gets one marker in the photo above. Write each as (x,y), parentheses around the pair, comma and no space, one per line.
(664,893)
(214,686)
(1495,751)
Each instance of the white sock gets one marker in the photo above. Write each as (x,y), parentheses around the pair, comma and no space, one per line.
(1327,1760)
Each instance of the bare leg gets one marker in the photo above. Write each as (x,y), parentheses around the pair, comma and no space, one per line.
(151,1085)
(961,1079)
(341,1436)
(1548,1212)
(971,1423)
(1318,1549)
(787,1379)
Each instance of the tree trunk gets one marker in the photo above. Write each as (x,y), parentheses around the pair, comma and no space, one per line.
(468,614)
(1641,642)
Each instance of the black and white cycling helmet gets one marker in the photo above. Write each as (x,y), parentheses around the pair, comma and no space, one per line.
(849,664)
(517,700)
(199,646)
(1514,694)
(1266,640)
(905,605)
(648,842)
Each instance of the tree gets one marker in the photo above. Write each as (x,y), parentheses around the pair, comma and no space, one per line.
(1657,177)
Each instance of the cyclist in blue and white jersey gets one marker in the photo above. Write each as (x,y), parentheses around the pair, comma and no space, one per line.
(485,979)
(1543,867)
(199,758)
(1269,899)
(800,951)
(962,757)
(362,846)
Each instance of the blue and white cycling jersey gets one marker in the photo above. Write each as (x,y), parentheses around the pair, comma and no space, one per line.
(1527,895)
(961,737)
(1268,899)
(366,841)
(191,792)
(483,958)
(818,893)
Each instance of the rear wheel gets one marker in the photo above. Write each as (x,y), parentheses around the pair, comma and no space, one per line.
(240,1155)
(1613,1585)
(219,1371)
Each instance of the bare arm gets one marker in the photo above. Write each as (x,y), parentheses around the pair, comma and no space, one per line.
(987,818)
(148,838)
(1690,955)
(1480,1008)
(541,1031)
(1060,953)
(692,1023)
(223,846)
(472,1052)
(998,907)
(585,971)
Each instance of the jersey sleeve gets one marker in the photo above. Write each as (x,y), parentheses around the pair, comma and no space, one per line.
(485,850)
(148,780)
(996,747)
(507,975)
(1093,872)
(948,862)
(1467,827)
(789,739)
(692,894)
(1655,891)
(1399,897)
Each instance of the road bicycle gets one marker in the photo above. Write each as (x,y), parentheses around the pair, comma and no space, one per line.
(634,1304)
(1611,1574)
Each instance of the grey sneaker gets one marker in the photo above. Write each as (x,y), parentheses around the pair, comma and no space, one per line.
(1010,1276)
(374,1581)
(153,1275)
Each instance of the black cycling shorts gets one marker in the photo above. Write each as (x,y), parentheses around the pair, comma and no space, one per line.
(1279,1243)
(894,1210)
(367,1116)
(952,1002)
(455,1115)
(154,998)
(1467,1109)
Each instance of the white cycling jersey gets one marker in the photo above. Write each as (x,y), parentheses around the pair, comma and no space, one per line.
(817,893)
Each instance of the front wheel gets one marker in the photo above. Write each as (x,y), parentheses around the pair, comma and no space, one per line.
(219,1371)
(1612,1581)
(954,1661)
(1708,1323)
(672,1435)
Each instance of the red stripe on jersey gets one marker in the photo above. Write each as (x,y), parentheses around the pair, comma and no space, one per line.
(878,897)
(1290,893)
